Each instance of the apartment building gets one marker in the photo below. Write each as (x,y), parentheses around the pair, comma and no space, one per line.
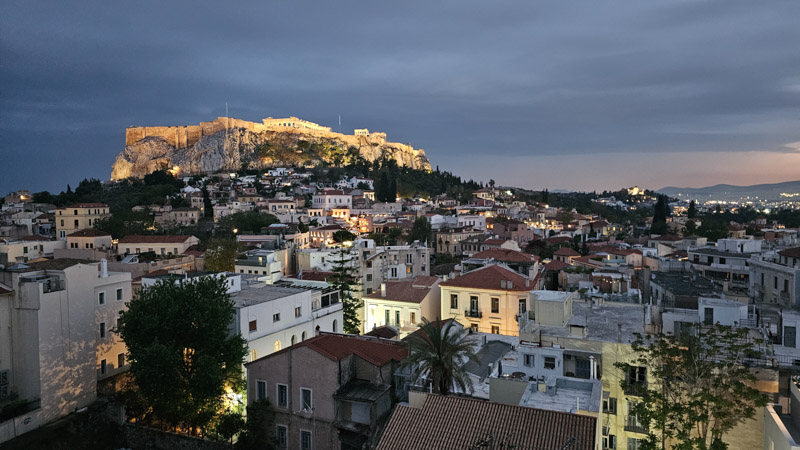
(403,304)
(329,392)
(775,278)
(59,319)
(488,299)
(78,217)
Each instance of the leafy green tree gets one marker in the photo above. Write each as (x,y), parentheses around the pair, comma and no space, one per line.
(259,429)
(691,228)
(438,353)
(700,385)
(393,234)
(122,223)
(182,356)
(44,197)
(692,213)
(420,231)
(713,228)
(346,282)
(221,255)
(247,222)
(343,236)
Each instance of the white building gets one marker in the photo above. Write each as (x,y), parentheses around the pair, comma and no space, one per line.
(331,199)
(60,315)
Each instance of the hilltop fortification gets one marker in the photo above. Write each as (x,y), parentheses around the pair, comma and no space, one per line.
(230,144)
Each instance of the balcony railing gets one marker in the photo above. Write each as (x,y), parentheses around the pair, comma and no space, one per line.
(632,424)
(474,313)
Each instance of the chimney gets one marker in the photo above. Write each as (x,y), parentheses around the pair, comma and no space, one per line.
(103,268)
(383,289)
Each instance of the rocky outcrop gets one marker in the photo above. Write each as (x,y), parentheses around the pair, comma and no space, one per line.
(222,147)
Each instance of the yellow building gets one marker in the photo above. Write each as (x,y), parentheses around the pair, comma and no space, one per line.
(79,216)
(488,299)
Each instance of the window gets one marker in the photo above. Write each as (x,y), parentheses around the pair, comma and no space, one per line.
(261,390)
(277,346)
(253,325)
(386,316)
(335,327)
(62,222)
(634,444)
(303,336)
(102,330)
(76,223)
(298,311)
(413,318)
(397,318)
(394,272)
(610,405)
(529,360)
(495,329)
(276,317)
(103,367)
(636,376)
(549,362)
(609,442)
(294,339)
(101,298)
(283,395)
(495,305)
(474,327)
(369,277)
(24,249)
(305,440)
(305,399)
(453,301)
(708,316)
(120,360)
(523,305)
(282,436)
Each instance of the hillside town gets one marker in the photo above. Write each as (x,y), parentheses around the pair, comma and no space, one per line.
(334,283)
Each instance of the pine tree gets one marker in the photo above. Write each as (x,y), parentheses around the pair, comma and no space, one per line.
(346,282)
(392,191)
(692,210)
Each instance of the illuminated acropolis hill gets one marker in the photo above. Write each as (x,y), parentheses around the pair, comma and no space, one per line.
(186,136)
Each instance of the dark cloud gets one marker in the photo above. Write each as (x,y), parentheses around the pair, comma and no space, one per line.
(519,80)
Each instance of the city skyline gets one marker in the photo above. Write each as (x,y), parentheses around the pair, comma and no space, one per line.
(551,96)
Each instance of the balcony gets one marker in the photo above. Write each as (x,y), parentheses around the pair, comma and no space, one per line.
(632,424)
(473,313)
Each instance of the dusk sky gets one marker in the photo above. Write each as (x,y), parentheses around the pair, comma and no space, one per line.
(544,94)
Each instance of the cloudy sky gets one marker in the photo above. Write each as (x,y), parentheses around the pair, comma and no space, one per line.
(557,94)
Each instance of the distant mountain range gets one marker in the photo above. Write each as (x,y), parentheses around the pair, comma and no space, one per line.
(729,192)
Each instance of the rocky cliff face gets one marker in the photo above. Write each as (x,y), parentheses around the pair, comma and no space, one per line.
(235,148)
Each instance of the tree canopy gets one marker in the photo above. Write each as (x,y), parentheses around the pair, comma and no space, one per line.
(700,386)
(421,231)
(221,255)
(181,353)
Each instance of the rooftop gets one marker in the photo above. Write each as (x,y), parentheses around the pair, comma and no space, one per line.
(410,291)
(88,232)
(339,346)
(140,239)
(481,424)
(505,255)
(607,322)
(493,276)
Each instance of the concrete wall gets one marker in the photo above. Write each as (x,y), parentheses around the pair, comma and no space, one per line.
(506,390)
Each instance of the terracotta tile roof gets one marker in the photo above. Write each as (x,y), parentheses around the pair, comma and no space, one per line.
(494,241)
(791,252)
(489,277)
(35,237)
(88,232)
(411,291)
(558,239)
(85,205)
(566,251)
(139,239)
(556,265)
(385,332)
(339,346)
(504,254)
(449,422)
(315,275)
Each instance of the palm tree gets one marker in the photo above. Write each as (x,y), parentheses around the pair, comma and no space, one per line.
(438,352)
